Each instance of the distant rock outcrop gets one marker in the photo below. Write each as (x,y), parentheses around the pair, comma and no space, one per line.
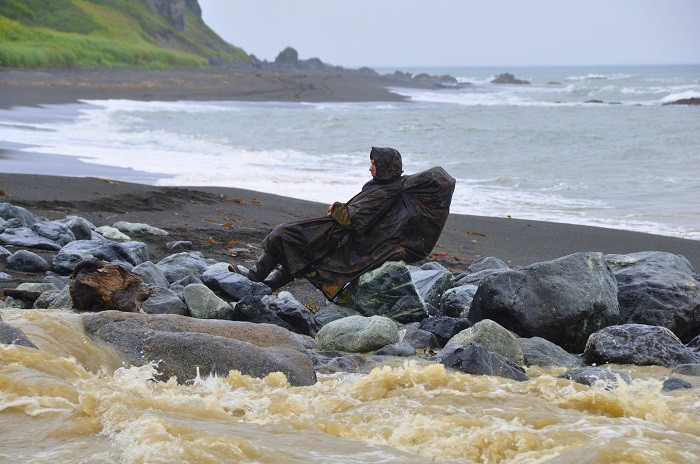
(685,101)
(508,78)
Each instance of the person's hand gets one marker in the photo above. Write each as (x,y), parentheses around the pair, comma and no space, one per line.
(330,207)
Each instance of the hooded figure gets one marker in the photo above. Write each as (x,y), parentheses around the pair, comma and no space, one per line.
(393,218)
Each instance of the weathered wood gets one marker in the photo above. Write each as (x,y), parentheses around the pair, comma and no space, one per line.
(100,287)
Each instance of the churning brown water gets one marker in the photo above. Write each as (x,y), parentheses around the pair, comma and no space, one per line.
(72,401)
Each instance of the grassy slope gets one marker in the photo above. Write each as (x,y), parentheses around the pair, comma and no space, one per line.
(67,33)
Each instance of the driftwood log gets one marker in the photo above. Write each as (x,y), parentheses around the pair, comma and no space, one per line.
(30,296)
(100,287)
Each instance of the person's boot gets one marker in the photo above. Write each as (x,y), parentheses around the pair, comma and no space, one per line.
(278,278)
(259,271)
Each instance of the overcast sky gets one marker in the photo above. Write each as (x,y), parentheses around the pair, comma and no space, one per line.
(464,33)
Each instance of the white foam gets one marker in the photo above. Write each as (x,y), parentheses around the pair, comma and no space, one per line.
(593,76)
(680,96)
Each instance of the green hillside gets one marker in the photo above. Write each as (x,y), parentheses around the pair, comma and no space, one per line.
(141,33)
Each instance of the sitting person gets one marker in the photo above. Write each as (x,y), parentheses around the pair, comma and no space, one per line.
(393,218)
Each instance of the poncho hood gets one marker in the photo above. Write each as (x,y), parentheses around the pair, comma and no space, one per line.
(388,163)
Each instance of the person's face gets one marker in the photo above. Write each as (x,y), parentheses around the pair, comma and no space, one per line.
(373,169)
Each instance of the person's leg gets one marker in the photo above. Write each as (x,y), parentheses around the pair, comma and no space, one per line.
(260,270)
(278,278)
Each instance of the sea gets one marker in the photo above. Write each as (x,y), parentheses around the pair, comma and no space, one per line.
(580,145)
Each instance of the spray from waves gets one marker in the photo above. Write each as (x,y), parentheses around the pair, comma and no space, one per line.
(674,97)
(592,76)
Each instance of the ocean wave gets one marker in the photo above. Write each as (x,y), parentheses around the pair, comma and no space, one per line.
(674,97)
(593,76)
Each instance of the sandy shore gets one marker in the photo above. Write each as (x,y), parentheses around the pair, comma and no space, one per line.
(224,222)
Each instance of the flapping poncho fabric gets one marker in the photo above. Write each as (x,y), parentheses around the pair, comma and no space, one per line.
(393,218)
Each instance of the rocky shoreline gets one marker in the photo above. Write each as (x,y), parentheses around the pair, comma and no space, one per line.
(192,317)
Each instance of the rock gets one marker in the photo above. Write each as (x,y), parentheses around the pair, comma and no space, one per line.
(433,266)
(657,288)
(396,349)
(218,266)
(493,337)
(594,101)
(233,285)
(431,284)
(308,342)
(41,236)
(540,352)
(100,287)
(81,227)
(694,344)
(332,312)
(112,233)
(357,334)
(456,301)
(8,212)
(687,369)
(74,252)
(11,335)
(642,345)
(591,375)
(287,313)
(180,245)
(287,57)
(26,261)
(40,287)
(444,327)
(58,283)
(204,304)
(140,251)
(563,300)
(59,299)
(5,276)
(420,339)
(4,251)
(387,291)
(685,101)
(332,362)
(477,360)
(488,263)
(163,301)
(139,228)
(508,78)
(151,274)
(182,345)
(45,299)
(181,265)
(674,383)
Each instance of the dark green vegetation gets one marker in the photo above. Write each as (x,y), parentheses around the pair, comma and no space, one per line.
(141,33)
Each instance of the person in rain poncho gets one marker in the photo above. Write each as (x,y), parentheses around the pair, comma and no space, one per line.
(393,218)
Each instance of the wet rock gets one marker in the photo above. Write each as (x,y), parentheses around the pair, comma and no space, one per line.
(420,339)
(181,345)
(233,285)
(45,299)
(4,251)
(476,278)
(456,301)
(40,287)
(540,352)
(9,212)
(138,228)
(657,288)
(685,101)
(74,252)
(642,345)
(112,233)
(180,245)
(396,349)
(493,337)
(508,78)
(444,327)
(11,335)
(151,274)
(26,261)
(473,358)
(431,284)
(590,375)
(387,291)
(99,287)
(41,236)
(284,312)
(687,369)
(433,266)
(332,312)
(181,265)
(5,276)
(204,304)
(674,383)
(488,263)
(58,299)
(140,251)
(81,227)
(58,283)
(163,301)
(563,300)
(331,362)
(694,344)
(357,334)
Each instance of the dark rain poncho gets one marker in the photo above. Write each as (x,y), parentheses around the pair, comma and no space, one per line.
(393,218)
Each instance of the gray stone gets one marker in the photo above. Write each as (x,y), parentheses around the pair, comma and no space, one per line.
(419,339)
(183,347)
(642,345)
(333,312)
(11,335)
(74,252)
(204,304)
(8,212)
(81,227)
(387,291)
(181,265)
(163,301)
(151,274)
(41,236)
(180,245)
(332,362)
(5,276)
(307,341)
(476,360)
(37,287)
(674,383)
(284,312)
(396,349)
(563,300)
(433,266)
(493,337)
(45,299)
(112,233)
(140,251)
(139,228)
(124,264)
(487,263)
(4,251)
(55,299)
(233,285)
(657,288)
(357,334)
(540,352)
(58,283)
(687,369)
(444,327)
(218,266)
(431,284)
(609,378)
(476,278)
(26,261)
(456,301)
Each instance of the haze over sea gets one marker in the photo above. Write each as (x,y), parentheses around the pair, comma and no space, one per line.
(536,151)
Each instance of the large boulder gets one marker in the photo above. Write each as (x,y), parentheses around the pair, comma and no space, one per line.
(333,312)
(563,300)
(657,288)
(643,345)
(11,335)
(181,265)
(456,301)
(284,312)
(8,212)
(151,274)
(508,78)
(419,339)
(609,378)
(357,334)
(687,369)
(444,327)
(106,250)
(476,360)
(493,337)
(55,299)
(387,291)
(163,301)
(184,347)
(81,227)
(204,304)
(488,263)
(26,261)
(41,236)
(402,349)
(233,285)
(540,352)
(431,283)
(100,287)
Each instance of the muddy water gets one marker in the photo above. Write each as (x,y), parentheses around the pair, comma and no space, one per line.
(72,401)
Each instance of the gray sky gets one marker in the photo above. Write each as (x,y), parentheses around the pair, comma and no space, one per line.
(464,33)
